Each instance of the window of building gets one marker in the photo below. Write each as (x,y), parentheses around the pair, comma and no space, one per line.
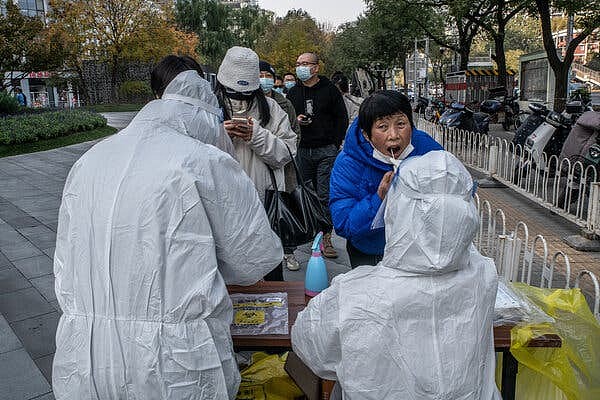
(32,8)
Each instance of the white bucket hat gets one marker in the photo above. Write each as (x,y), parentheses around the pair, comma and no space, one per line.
(239,70)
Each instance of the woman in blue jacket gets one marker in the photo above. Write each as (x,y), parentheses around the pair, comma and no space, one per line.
(376,142)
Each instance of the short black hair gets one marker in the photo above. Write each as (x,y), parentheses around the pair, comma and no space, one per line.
(289,73)
(168,68)
(381,104)
(339,79)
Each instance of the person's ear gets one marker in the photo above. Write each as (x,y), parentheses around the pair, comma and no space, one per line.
(365,135)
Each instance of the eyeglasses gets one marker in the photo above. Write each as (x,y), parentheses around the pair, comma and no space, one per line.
(305,64)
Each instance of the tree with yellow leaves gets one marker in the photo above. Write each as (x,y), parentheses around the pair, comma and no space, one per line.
(116,31)
(290,36)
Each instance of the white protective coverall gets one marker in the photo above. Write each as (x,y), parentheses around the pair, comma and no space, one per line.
(153,224)
(419,324)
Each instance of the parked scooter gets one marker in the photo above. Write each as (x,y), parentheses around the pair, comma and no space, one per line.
(533,121)
(434,111)
(459,116)
(550,136)
(583,145)
(421,106)
(502,108)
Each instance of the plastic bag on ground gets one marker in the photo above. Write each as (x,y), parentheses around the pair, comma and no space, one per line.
(573,368)
(265,379)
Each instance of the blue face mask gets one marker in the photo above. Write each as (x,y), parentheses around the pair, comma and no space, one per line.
(267,84)
(303,73)
(278,90)
(289,84)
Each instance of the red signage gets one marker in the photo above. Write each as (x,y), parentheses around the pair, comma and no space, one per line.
(456,86)
(43,74)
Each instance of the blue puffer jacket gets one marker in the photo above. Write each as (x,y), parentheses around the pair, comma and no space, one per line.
(355,177)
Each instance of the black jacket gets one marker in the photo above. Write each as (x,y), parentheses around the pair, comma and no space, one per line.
(329,116)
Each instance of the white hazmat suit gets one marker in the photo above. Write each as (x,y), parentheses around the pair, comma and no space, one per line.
(153,223)
(419,324)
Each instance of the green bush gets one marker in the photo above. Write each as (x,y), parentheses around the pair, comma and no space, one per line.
(30,128)
(135,92)
(8,104)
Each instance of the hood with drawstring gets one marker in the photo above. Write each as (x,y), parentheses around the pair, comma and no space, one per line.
(419,324)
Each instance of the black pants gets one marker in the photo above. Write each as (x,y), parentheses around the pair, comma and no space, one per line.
(357,257)
(315,166)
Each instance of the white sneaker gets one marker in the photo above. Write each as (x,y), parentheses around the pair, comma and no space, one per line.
(291,263)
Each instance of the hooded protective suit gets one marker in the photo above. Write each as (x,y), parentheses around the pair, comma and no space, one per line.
(153,223)
(419,324)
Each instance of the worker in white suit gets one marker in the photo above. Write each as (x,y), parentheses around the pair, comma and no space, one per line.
(419,324)
(154,222)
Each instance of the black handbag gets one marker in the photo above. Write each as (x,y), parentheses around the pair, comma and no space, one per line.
(298,216)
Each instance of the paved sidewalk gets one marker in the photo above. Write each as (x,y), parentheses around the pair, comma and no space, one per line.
(30,195)
(120,119)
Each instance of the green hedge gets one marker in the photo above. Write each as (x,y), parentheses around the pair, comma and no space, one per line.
(135,92)
(8,103)
(30,128)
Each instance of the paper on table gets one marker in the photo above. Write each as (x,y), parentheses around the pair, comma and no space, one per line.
(513,308)
(259,314)
(505,299)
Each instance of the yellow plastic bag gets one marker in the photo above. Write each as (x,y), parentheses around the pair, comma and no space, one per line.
(265,379)
(573,368)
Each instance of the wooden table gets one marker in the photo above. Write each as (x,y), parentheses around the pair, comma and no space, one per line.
(297,302)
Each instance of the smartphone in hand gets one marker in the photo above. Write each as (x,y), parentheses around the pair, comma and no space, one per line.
(241,123)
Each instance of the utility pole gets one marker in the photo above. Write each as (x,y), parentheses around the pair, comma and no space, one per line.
(415,76)
(570,26)
(426,66)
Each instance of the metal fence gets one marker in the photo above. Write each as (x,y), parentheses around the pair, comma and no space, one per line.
(519,257)
(567,188)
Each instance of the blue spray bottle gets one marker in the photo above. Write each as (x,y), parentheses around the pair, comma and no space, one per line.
(316,273)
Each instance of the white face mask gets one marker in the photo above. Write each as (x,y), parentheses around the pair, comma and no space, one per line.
(238,106)
(391,160)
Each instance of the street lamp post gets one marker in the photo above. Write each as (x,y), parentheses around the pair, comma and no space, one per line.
(415,78)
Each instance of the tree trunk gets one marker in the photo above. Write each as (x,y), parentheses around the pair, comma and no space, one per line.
(560,67)
(560,86)
(83,87)
(464,52)
(500,59)
(113,78)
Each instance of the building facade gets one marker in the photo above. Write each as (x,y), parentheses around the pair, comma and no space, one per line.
(35,85)
(240,3)
(584,50)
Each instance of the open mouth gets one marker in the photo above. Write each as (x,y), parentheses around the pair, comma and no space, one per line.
(394,151)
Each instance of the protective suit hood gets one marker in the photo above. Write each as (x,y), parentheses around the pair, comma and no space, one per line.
(188,106)
(432,194)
